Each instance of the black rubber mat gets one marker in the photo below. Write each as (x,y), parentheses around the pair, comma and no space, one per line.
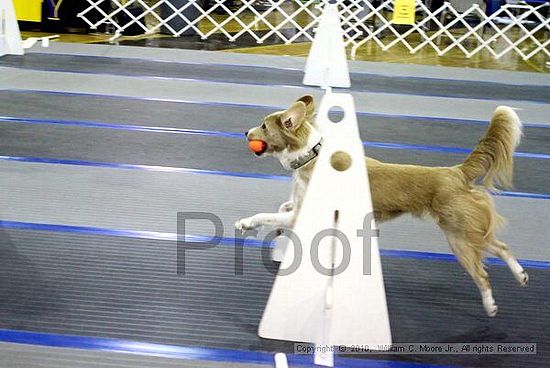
(204,152)
(129,289)
(423,131)
(271,76)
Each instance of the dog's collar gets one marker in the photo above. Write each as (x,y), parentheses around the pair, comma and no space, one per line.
(310,155)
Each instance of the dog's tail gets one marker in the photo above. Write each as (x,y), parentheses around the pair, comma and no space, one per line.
(492,160)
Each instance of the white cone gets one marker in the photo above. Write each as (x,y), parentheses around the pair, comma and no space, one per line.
(326,65)
(10,37)
(348,308)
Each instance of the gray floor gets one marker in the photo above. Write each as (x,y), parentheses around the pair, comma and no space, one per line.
(128,289)
(421,294)
(275,77)
(149,201)
(275,97)
(226,154)
(27,356)
(372,127)
(293,63)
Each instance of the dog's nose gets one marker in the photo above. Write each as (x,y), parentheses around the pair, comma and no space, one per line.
(246,133)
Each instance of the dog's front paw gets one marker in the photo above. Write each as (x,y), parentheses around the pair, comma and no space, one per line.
(287,207)
(245,224)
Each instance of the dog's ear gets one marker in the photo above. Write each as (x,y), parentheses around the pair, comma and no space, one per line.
(309,101)
(292,118)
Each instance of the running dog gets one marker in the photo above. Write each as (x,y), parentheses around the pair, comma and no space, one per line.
(463,209)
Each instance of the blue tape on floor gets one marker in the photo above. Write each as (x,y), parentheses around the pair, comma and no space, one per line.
(265,107)
(185,352)
(41,160)
(130,127)
(90,230)
(110,165)
(223,134)
(523,195)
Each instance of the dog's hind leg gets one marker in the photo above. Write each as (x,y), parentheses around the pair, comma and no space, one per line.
(502,251)
(471,258)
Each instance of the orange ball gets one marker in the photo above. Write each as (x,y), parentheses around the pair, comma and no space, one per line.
(257,146)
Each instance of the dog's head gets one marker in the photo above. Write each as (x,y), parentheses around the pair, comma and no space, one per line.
(285,131)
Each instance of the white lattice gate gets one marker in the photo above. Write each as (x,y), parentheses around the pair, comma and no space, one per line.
(513,28)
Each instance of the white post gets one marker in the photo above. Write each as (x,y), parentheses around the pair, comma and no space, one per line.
(10,37)
(280,360)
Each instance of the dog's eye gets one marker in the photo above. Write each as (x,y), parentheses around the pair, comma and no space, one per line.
(263,126)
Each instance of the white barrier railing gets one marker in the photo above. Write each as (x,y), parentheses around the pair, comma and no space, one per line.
(512,28)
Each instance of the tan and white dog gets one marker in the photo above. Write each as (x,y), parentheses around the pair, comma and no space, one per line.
(463,210)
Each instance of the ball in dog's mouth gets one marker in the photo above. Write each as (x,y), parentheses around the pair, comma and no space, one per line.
(257,146)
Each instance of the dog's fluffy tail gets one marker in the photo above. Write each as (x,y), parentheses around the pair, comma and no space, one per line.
(492,159)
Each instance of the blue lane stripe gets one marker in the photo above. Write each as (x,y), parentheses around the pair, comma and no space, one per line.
(186,352)
(263,84)
(523,195)
(139,128)
(152,235)
(41,160)
(91,230)
(454,150)
(438,119)
(464,121)
(446,257)
(110,165)
(225,134)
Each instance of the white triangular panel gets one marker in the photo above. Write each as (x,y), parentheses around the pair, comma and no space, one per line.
(348,308)
(326,65)
(10,37)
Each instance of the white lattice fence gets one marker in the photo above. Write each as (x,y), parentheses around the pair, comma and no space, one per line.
(487,34)
(525,30)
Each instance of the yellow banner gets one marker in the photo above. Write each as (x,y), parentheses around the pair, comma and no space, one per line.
(28,10)
(404,11)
